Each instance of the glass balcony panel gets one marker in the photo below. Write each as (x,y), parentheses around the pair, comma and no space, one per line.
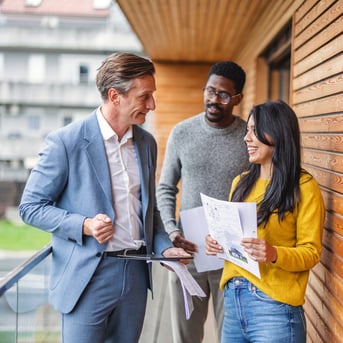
(25,315)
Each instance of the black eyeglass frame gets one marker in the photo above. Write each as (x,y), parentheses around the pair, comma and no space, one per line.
(224,97)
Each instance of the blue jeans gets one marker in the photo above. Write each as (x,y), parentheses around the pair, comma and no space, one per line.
(252,316)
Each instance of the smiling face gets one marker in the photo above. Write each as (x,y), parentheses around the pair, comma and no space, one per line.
(218,114)
(259,153)
(139,100)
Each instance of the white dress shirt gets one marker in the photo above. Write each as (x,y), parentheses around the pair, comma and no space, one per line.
(126,188)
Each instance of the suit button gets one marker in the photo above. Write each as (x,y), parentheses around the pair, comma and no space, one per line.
(98,254)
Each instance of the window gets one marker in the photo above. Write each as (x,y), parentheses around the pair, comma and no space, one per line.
(2,69)
(83,73)
(36,68)
(67,120)
(277,58)
(34,122)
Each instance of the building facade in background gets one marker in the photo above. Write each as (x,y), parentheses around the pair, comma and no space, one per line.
(49,54)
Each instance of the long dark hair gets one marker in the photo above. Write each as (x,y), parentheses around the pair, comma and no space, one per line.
(280,123)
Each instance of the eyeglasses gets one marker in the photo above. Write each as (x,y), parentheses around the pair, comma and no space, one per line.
(224,98)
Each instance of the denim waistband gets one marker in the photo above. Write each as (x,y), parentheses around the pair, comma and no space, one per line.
(239,282)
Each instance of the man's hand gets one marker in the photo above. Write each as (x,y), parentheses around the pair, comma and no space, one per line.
(177,252)
(179,241)
(100,227)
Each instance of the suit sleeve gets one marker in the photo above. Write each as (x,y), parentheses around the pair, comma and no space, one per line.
(44,187)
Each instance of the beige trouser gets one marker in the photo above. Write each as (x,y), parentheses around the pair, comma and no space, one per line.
(192,330)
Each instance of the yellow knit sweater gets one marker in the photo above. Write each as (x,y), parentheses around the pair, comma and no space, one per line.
(297,239)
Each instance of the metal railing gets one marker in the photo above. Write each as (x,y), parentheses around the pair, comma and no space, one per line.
(25,315)
(17,273)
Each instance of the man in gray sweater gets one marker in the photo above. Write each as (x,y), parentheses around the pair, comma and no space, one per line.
(204,152)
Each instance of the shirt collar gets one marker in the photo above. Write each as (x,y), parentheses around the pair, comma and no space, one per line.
(106,130)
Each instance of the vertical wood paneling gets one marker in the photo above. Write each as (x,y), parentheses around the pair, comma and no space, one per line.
(317,83)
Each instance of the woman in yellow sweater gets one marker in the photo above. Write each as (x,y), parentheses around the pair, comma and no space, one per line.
(290,217)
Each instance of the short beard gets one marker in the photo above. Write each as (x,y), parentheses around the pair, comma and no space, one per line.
(214,118)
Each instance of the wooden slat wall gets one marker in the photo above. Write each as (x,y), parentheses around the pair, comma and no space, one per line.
(317,98)
(268,25)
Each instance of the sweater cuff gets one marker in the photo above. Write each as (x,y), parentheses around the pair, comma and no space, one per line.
(171,228)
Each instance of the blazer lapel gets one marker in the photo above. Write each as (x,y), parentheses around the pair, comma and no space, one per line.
(143,157)
(95,150)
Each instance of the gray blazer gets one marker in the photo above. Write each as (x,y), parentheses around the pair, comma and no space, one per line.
(70,182)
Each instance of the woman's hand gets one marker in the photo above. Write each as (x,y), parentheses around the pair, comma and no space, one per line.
(259,250)
(212,246)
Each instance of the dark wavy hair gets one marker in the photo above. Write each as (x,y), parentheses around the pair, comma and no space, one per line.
(280,123)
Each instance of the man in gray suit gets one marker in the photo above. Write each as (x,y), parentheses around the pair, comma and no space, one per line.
(93,188)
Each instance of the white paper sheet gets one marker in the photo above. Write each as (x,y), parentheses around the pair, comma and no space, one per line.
(189,286)
(195,229)
(228,222)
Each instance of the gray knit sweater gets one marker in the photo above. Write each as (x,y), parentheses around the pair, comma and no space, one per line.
(205,159)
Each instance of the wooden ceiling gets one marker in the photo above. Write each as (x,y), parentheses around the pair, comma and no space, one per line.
(198,30)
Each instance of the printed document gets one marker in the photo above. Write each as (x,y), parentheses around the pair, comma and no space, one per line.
(195,229)
(189,286)
(228,222)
